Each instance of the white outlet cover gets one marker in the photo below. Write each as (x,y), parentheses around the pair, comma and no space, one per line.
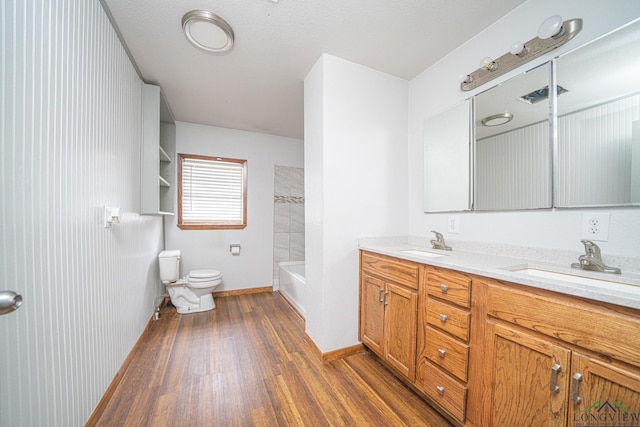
(595,226)
(453,224)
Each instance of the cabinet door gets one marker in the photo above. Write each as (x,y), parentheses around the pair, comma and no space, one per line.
(602,394)
(372,314)
(400,329)
(526,371)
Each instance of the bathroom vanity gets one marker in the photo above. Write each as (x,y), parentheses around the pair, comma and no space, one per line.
(489,345)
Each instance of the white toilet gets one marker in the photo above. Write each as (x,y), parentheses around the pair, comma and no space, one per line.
(189,294)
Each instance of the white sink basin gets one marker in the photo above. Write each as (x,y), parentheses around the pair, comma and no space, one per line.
(572,278)
(423,253)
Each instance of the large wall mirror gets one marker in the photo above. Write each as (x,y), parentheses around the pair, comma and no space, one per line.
(513,149)
(447,155)
(598,161)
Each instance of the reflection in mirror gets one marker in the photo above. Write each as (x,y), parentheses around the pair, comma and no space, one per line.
(599,122)
(447,155)
(513,153)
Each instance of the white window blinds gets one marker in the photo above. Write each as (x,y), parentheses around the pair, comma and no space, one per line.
(212,191)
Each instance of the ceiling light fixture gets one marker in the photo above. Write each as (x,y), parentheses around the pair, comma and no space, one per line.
(552,34)
(208,31)
(497,119)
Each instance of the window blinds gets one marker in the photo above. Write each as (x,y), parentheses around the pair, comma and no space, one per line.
(212,191)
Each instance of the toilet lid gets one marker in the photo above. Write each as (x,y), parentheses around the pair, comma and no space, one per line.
(203,275)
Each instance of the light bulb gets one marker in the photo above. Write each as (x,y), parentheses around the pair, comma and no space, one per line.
(488,64)
(550,27)
(518,48)
(464,78)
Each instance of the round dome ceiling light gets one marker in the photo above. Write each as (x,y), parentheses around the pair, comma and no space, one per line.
(208,31)
(497,119)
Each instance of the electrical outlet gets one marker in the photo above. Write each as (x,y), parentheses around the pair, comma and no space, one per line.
(453,224)
(595,226)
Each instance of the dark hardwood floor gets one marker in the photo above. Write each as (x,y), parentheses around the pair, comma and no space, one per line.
(246,364)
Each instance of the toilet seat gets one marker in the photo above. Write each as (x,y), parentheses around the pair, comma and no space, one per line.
(196,276)
(204,278)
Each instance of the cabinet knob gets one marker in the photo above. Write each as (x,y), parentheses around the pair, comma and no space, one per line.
(440,390)
(442,352)
(443,317)
(444,288)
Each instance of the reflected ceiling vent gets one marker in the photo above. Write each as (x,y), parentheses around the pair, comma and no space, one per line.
(540,95)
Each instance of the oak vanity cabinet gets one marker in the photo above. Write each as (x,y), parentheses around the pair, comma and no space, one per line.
(443,339)
(553,360)
(388,309)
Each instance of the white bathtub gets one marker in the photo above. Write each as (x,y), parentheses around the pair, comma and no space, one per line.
(292,284)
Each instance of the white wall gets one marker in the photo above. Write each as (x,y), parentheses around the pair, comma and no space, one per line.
(70,128)
(437,89)
(209,249)
(355,175)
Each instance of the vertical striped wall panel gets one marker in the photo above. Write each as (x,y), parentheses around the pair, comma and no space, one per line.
(595,154)
(513,170)
(70,128)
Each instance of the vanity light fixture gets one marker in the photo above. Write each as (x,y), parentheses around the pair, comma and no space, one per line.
(208,31)
(552,34)
(497,119)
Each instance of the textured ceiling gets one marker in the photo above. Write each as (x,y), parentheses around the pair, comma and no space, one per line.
(259,85)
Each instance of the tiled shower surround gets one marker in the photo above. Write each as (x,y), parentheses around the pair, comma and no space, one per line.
(288,217)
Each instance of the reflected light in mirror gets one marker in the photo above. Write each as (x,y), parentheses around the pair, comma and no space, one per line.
(497,119)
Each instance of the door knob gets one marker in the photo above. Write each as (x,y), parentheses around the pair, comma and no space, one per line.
(9,301)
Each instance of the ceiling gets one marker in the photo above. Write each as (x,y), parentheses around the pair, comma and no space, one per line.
(258,86)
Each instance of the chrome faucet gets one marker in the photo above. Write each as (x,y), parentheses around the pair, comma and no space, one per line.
(438,242)
(592,259)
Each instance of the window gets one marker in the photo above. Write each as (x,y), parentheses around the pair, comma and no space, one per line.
(212,193)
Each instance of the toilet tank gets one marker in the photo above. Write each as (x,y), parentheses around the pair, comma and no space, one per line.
(169,266)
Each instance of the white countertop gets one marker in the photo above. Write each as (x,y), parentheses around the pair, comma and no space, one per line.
(621,289)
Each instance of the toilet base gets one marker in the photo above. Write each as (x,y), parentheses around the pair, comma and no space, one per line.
(206,304)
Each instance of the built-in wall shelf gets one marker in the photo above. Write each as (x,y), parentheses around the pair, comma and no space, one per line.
(164,157)
(158,149)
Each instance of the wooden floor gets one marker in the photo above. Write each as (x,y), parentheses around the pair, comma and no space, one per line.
(246,364)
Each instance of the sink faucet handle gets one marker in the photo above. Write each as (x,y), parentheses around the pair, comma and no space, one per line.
(591,249)
(439,236)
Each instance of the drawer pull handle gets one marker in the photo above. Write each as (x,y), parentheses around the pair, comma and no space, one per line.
(444,288)
(442,352)
(553,384)
(575,383)
(380,295)
(443,317)
(385,298)
(440,390)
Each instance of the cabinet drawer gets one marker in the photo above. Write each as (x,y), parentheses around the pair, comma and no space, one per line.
(446,352)
(448,318)
(449,286)
(445,391)
(595,327)
(403,272)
